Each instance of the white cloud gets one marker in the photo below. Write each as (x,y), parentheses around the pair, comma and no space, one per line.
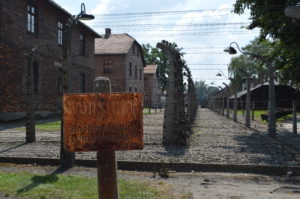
(181,29)
(103,7)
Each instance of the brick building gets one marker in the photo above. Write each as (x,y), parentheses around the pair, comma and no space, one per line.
(120,57)
(152,91)
(26,24)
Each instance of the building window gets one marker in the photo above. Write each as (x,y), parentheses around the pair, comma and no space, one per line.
(82,83)
(35,73)
(31,19)
(130,69)
(140,74)
(82,44)
(60,31)
(135,72)
(107,66)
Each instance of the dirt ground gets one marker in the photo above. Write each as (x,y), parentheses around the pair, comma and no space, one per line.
(199,185)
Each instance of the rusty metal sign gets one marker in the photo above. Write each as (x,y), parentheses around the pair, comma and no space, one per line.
(103,121)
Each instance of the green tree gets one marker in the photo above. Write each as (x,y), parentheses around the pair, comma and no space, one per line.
(203,90)
(156,56)
(269,17)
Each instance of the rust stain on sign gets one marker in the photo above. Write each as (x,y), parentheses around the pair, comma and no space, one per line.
(103,121)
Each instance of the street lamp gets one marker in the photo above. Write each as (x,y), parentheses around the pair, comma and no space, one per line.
(271,106)
(68,158)
(83,15)
(220,74)
(293,11)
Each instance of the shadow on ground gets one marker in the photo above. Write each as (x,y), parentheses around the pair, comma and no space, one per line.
(14,147)
(271,152)
(42,179)
(22,123)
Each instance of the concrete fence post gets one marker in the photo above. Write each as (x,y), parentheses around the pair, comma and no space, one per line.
(30,101)
(295,117)
(235,107)
(223,105)
(253,110)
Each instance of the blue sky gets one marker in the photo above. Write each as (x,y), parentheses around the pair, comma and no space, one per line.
(203,45)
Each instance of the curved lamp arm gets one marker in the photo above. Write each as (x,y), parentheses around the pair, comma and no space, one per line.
(232,51)
(226,85)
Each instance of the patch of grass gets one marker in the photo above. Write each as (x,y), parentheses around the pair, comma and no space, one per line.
(285,118)
(46,126)
(152,110)
(257,113)
(257,116)
(29,186)
(49,126)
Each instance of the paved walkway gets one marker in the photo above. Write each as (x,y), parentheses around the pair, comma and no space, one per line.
(216,140)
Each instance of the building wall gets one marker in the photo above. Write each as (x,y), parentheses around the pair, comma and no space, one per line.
(115,72)
(148,81)
(15,44)
(119,72)
(152,93)
(135,83)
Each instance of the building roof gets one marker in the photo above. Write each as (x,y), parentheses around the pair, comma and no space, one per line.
(150,69)
(114,44)
(244,92)
(51,2)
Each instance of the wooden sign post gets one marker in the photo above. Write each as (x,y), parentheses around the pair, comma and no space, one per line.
(104,123)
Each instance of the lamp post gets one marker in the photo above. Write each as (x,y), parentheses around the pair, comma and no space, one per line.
(220,73)
(227,102)
(271,104)
(293,11)
(68,158)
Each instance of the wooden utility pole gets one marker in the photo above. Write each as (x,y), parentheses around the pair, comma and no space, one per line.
(106,159)
(30,108)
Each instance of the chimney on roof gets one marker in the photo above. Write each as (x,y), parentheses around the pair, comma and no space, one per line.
(107,33)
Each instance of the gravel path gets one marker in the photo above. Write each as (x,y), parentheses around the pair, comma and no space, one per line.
(216,139)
